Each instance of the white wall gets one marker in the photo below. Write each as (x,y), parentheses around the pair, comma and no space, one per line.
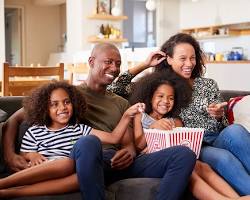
(230,76)
(167,19)
(79,27)
(213,12)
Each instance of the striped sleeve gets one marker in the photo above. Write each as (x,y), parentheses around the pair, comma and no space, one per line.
(29,143)
(85,129)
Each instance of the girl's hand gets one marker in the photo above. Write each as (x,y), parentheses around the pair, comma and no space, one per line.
(135,109)
(155,58)
(216,110)
(35,158)
(163,124)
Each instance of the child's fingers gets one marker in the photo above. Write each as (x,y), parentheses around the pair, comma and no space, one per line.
(141,107)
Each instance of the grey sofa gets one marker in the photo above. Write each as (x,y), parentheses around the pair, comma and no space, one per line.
(128,189)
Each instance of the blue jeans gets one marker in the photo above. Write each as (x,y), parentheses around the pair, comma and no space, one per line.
(174,165)
(229,155)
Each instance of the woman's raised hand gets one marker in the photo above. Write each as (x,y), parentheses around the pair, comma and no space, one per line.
(155,58)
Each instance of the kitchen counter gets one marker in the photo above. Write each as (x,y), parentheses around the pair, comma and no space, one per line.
(229,62)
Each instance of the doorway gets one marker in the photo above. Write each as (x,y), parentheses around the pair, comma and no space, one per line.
(140,28)
(14,35)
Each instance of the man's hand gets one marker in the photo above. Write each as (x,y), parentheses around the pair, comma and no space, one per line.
(16,163)
(216,110)
(163,124)
(122,159)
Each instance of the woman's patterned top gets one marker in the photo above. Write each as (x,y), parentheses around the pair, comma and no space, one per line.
(123,85)
(205,92)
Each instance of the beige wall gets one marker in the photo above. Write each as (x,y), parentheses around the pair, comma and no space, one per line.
(42,30)
(2,37)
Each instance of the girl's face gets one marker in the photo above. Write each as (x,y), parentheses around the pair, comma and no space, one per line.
(162,101)
(60,108)
(183,60)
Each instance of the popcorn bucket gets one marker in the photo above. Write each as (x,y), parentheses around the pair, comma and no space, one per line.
(160,139)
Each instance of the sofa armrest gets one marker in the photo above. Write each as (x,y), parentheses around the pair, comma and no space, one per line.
(227,94)
(10,104)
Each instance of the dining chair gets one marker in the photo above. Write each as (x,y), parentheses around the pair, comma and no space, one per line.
(77,72)
(20,80)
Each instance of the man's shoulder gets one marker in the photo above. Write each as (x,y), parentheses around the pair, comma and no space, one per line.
(117,98)
(82,86)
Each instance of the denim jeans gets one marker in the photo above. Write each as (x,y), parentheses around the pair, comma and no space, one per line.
(229,155)
(174,165)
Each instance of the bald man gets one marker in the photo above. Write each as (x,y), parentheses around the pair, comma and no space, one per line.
(97,165)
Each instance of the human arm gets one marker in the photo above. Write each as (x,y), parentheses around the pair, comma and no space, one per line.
(216,105)
(122,85)
(34,158)
(216,110)
(154,59)
(139,138)
(116,135)
(10,129)
(125,156)
(178,122)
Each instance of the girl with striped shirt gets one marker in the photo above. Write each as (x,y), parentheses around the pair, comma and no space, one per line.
(54,111)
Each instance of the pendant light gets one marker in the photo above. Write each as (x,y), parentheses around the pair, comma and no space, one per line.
(151,5)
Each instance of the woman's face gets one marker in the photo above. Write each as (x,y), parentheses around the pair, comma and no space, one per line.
(183,60)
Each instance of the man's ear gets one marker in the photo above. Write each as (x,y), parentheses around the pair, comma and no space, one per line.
(91,61)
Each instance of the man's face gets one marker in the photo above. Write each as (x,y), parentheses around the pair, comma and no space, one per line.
(105,66)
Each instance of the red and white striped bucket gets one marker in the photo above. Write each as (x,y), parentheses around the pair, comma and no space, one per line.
(161,139)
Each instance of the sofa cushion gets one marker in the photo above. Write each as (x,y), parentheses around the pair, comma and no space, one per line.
(230,106)
(135,188)
(241,112)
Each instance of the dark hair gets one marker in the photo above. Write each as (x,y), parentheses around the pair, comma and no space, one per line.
(36,105)
(145,87)
(179,38)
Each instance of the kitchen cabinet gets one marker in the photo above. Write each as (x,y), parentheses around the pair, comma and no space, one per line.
(219,31)
(109,18)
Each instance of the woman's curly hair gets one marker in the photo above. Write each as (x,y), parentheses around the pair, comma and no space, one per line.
(36,106)
(180,38)
(144,89)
